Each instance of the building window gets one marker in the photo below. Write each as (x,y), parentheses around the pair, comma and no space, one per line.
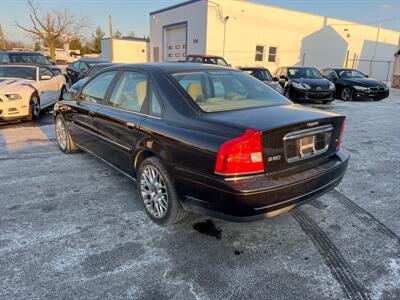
(259,53)
(272,54)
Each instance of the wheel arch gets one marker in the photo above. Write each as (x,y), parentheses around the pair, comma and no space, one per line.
(147,148)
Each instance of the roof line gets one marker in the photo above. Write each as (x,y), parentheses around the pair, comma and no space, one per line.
(174,6)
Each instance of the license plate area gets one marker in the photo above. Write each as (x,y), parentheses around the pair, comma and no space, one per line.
(303,144)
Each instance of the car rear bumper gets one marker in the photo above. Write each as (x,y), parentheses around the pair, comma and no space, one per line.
(374,95)
(313,96)
(260,196)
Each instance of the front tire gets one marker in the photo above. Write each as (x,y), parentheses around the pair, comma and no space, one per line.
(63,137)
(34,107)
(346,94)
(158,193)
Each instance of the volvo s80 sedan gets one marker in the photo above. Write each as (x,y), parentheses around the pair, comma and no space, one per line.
(204,138)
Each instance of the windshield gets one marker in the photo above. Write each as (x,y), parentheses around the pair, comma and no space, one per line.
(77,85)
(227,90)
(18,72)
(351,74)
(263,75)
(310,73)
(96,68)
(29,59)
(215,61)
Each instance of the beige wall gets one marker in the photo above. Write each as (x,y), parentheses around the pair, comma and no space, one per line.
(125,51)
(323,40)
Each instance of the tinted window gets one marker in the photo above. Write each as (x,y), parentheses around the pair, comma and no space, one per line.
(215,61)
(96,68)
(18,72)
(329,73)
(45,71)
(155,103)
(227,90)
(130,92)
(198,60)
(351,74)
(96,89)
(29,58)
(83,67)
(304,73)
(4,58)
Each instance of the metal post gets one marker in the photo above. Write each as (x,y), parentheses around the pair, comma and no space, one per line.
(111,37)
(223,46)
(375,47)
(347,58)
(354,60)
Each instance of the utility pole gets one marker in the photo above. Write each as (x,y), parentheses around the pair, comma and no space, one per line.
(223,46)
(111,37)
(2,39)
(376,46)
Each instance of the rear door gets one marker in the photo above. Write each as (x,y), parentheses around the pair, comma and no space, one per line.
(48,87)
(84,120)
(119,121)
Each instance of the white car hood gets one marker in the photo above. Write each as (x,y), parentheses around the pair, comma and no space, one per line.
(12,85)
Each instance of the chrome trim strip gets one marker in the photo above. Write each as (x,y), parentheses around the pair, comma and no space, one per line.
(106,162)
(307,132)
(81,127)
(112,142)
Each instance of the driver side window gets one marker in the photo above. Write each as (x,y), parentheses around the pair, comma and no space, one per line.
(45,72)
(95,90)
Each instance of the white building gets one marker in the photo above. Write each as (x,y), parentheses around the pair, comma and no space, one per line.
(125,50)
(253,34)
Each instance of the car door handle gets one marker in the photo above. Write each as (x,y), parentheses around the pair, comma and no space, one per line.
(130,125)
(91,113)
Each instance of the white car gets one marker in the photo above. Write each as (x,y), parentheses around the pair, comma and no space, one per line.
(25,90)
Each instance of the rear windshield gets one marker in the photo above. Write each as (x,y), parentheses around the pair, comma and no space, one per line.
(18,72)
(227,90)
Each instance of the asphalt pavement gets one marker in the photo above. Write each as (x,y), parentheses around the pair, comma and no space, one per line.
(73,228)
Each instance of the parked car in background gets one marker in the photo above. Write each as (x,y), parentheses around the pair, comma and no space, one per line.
(240,152)
(264,75)
(207,59)
(79,69)
(25,90)
(305,84)
(92,71)
(352,85)
(27,57)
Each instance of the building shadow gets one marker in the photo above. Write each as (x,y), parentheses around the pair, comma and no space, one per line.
(323,48)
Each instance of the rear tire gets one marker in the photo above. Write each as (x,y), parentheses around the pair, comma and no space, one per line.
(63,137)
(158,193)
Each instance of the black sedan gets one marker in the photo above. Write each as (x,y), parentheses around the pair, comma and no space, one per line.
(90,73)
(204,138)
(353,85)
(264,75)
(79,69)
(305,84)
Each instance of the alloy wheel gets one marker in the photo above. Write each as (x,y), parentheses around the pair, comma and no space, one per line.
(35,106)
(154,192)
(61,133)
(346,94)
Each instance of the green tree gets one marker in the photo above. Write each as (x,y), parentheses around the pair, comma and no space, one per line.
(95,43)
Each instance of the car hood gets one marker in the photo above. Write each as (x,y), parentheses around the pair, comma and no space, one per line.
(313,83)
(8,85)
(270,117)
(365,82)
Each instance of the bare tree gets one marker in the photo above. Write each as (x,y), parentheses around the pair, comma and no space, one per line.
(54,27)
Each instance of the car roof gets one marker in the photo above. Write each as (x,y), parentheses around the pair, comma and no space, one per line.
(21,52)
(173,67)
(21,65)
(92,60)
(205,55)
(252,68)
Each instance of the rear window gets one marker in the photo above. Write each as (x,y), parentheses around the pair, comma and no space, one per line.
(227,90)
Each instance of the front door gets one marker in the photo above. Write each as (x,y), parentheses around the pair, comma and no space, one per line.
(119,121)
(83,120)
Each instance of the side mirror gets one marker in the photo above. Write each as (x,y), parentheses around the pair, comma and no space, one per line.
(69,96)
(366,76)
(45,77)
(275,78)
(283,77)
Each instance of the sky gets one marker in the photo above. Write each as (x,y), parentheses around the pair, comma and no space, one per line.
(133,15)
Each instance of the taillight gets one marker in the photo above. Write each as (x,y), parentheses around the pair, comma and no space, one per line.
(242,155)
(339,141)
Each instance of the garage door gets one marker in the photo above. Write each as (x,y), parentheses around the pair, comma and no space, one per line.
(175,43)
